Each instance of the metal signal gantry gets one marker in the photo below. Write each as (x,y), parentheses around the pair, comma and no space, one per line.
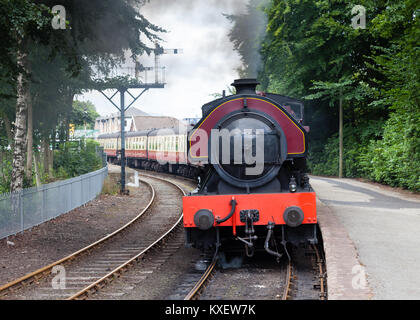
(138,85)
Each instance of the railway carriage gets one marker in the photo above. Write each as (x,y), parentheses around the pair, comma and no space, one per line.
(163,150)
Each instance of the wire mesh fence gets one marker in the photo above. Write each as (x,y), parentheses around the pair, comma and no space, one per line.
(27,208)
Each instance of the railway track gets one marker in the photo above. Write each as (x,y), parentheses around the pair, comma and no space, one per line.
(194,293)
(92,267)
(298,282)
(306,278)
(88,275)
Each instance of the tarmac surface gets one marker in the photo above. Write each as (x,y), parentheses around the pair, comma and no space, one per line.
(384,227)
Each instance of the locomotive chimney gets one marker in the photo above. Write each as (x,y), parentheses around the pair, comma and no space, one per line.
(245,86)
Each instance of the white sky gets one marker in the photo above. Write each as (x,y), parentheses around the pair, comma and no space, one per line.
(207,65)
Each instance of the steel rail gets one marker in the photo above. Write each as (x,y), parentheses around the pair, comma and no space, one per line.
(94,286)
(46,270)
(287,287)
(322,294)
(193,294)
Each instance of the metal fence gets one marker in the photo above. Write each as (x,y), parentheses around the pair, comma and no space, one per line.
(27,208)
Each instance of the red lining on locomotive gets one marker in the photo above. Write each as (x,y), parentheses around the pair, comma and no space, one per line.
(294,135)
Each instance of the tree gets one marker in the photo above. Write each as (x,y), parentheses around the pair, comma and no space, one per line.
(343,91)
(101,31)
(83,114)
(22,19)
(312,51)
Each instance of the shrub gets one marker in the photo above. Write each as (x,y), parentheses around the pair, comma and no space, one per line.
(76,158)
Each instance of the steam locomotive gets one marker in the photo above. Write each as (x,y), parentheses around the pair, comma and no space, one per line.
(248,154)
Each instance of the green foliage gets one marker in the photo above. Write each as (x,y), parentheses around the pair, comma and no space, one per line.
(311,51)
(62,63)
(83,113)
(323,156)
(395,159)
(76,158)
(5,171)
(70,160)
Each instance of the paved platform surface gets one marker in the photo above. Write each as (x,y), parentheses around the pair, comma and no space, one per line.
(372,227)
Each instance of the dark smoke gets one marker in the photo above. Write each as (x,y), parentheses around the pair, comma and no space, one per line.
(247,33)
(234,263)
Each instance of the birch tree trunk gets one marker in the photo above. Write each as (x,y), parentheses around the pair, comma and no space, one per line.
(29,143)
(23,98)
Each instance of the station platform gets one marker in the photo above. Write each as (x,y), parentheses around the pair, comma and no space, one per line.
(371,239)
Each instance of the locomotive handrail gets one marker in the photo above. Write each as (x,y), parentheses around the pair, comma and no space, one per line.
(233,204)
